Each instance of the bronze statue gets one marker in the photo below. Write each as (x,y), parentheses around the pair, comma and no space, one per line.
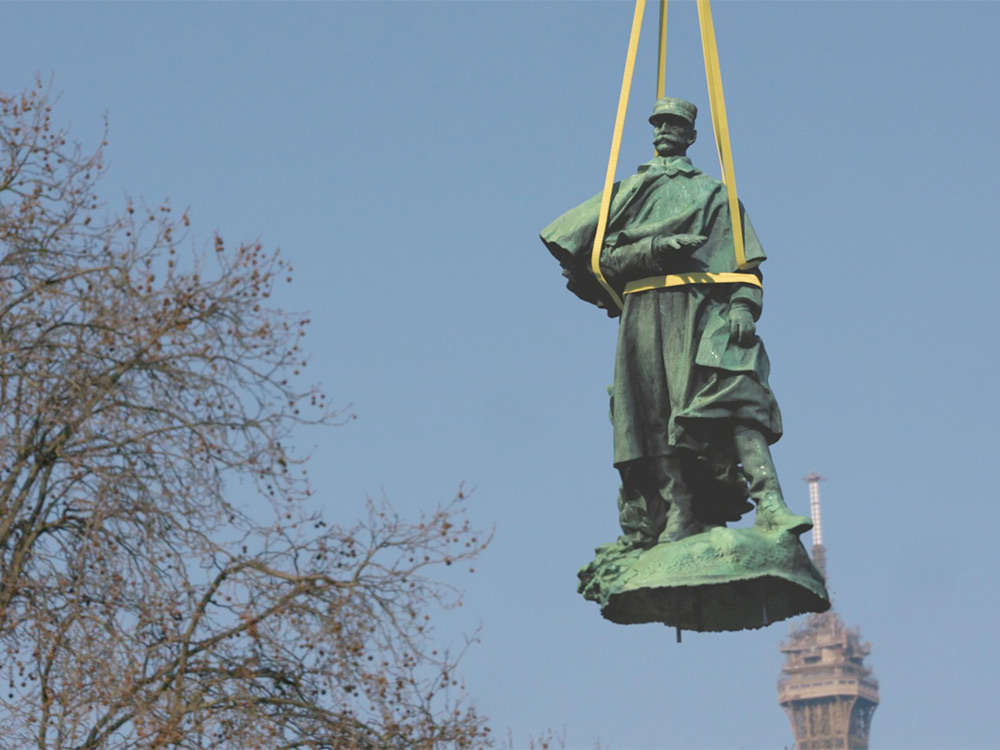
(692,410)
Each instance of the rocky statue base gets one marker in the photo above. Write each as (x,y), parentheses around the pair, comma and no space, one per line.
(722,579)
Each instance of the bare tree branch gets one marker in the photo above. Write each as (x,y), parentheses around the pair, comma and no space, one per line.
(165,580)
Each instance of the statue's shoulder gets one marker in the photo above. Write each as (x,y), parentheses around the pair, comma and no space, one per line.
(632,182)
(703,178)
(706,185)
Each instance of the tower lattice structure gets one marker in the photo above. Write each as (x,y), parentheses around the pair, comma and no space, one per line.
(825,688)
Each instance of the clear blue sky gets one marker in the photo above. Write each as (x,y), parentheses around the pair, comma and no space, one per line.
(405,156)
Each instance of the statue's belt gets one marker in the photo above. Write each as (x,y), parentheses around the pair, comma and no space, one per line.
(683,279)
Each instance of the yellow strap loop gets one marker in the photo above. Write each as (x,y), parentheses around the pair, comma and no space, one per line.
(685,279)
(720,124)
(616,140)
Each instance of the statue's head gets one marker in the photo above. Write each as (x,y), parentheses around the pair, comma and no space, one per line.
(673,126)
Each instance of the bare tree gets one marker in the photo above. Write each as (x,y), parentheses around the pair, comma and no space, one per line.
(163,579)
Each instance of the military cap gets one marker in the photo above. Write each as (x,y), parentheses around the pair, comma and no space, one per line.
(670,105)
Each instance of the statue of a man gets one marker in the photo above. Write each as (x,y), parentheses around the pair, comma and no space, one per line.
(692,410)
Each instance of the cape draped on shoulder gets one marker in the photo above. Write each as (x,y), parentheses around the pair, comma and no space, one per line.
(570,238)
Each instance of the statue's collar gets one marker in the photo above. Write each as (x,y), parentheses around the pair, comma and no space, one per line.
(672,165)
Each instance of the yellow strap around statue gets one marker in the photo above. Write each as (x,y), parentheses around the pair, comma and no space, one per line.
(616,141)
(721,126)
(686,279)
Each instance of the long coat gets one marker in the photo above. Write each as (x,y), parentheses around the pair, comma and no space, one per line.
(680,383)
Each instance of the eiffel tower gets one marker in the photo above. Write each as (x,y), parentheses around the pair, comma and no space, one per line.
(825,688)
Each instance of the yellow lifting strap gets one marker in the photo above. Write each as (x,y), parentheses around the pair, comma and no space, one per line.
(661,53)
(720,125)
(616,142)
(685,279)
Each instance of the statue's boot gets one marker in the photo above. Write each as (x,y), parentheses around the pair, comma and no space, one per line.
(681,521)
(772,513)
(641,510)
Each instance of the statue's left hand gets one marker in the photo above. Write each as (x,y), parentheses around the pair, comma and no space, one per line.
(741,326)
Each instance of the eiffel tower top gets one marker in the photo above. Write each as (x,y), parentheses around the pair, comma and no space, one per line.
(825,687)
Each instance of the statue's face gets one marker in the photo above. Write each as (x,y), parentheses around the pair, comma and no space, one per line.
(672,135)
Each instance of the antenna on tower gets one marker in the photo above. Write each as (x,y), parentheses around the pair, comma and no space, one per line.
(818,551)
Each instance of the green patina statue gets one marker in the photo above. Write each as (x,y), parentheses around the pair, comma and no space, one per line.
(692,410)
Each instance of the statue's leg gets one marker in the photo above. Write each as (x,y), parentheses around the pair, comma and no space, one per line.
(772,513)
(641,510)
(681,521)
